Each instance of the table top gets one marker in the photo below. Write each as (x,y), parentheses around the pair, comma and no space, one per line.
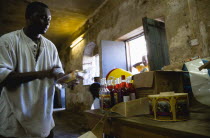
(198,124)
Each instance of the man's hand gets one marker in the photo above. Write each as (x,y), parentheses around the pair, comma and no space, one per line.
(205,66)
(15,79)
(71,79)
(47,73)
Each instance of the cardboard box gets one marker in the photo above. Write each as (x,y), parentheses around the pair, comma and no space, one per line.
(154,82)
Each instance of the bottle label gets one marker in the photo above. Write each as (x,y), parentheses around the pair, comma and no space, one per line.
(115,98)
(105,102)
(132,96)
(126,98)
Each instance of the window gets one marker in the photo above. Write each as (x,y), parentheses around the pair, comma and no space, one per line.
(90,64)
(96,66)
(136,49)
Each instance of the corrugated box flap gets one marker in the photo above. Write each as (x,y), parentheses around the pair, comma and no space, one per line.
(144,79)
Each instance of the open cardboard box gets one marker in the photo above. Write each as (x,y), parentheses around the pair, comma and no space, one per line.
(154,82)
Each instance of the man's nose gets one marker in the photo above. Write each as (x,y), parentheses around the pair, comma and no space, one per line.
(48,23)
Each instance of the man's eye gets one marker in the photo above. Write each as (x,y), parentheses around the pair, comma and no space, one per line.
(45,18)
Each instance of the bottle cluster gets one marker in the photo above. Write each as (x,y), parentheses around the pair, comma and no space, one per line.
(116,90)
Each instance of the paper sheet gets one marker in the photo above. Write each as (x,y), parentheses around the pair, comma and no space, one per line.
(200,81)
(131,108)
(88,134)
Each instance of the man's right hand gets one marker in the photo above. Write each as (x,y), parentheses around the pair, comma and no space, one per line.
(46,74)
(14,79)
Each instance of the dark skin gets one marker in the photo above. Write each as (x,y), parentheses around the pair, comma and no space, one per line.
(36,24)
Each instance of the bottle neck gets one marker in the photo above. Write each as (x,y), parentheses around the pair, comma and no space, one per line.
(130,85)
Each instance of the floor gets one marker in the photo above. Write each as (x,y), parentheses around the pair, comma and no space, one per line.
(69,124)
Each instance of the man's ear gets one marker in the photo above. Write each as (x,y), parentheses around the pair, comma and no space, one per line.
(30,18)
(27,21)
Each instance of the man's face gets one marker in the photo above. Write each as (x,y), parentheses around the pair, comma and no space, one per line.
(40,20)
(145,60)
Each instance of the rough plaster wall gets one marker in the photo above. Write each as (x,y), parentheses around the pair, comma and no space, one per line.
(178,30)
(204,25)
(188,21)
(78,98)
(127,17)
(185,20)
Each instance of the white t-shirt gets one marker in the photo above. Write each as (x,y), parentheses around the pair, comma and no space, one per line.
(27,110)
(96,104)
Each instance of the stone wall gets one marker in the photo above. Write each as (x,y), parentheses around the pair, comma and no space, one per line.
(185,20)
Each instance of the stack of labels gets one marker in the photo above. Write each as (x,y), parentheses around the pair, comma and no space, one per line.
(169,106)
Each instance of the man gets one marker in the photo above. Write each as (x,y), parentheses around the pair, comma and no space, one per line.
(94,90)
(29,65)
(142,66)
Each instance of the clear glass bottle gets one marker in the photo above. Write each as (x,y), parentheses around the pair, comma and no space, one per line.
(104,96)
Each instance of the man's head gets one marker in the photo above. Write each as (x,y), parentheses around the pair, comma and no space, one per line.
(97,79)
(38,17)
(144,60)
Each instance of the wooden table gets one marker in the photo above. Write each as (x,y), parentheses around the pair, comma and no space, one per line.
(144,127)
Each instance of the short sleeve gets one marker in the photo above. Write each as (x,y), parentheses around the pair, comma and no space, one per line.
(6,58)
(57,62)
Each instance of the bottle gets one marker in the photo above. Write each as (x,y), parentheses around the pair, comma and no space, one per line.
(124,90)
(116,84)
(68,78)
(119,93)
(104,96)
(113,92)
(131,89)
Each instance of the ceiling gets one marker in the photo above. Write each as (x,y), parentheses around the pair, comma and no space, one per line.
(67,16)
